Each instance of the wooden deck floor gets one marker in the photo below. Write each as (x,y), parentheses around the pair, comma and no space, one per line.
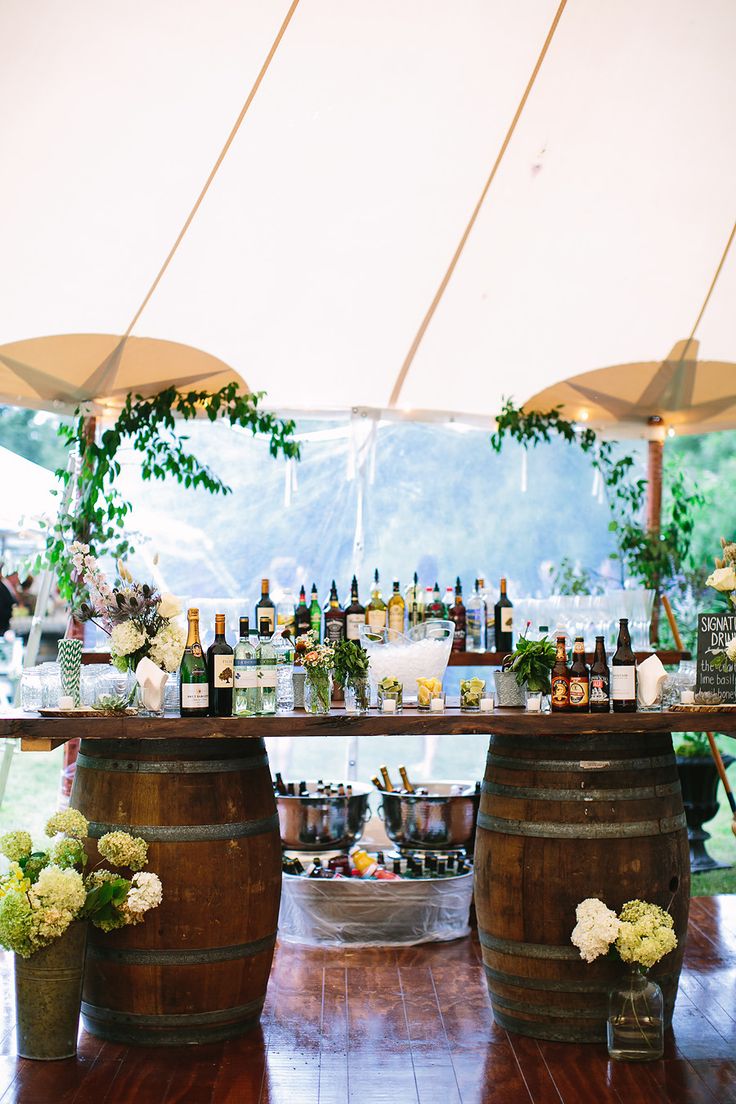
(405,1027)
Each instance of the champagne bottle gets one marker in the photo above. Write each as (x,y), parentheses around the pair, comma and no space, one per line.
(405,779)
(220,664)
(194,696)
(266,610)
(600,701)
(266,661)
(579,678)
(245,690)
(623,672)
(503,621)
(396,609)
(387,783)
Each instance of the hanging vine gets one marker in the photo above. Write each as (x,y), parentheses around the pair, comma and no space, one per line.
(98,512)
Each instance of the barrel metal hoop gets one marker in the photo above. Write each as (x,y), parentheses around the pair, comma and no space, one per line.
(172,766)
(526,950)
(189,833)
(546,829)
(564,766)
(163,749)
(546,1011)
(558,1033)
(596,742)
(153,957)
(547,984)
(182,1019)
(532,793)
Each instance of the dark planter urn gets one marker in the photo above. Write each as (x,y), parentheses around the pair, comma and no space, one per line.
(699,780)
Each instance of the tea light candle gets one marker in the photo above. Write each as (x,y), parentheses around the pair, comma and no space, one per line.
(687,697)
(534,703)
(437,705)
(388,705)
(486,705)
(66,701)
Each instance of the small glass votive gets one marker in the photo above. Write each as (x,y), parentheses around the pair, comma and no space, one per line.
(471,692)
(437,704)
(427,690)
(534,702)
(687,697)
(390,695)
(486,704)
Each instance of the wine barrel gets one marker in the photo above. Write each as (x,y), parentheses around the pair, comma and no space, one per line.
(196,969)
(561,819)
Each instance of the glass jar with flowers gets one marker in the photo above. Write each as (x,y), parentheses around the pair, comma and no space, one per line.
(351,670)
(146,643)
(46,903)
(318,662)
(638,937)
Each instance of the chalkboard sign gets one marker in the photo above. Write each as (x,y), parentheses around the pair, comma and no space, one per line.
(715,631)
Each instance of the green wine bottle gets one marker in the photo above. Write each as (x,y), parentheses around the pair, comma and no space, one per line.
(194,696)
(315,614)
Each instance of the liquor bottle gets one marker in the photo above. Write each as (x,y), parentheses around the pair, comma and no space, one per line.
(623,672)
(334,618)
(457,615)
(265,610)
(405,779)
(220,663)
(302,618)
(285,612)
(434,606)
(600,701)
(449,602)
(245,690)
(396,609)
(315,614)
(503,622)
(560,679)
(485,593)
(387,783)
(278,784)
(414,603)
(354,614)
(376,612)
(194,691)
(579,678)
(475,621)
(266,670)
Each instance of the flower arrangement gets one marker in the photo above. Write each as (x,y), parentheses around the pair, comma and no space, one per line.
(640,935)
(723,580)
(318,660)
(138,620)
(532,662)
(351,669)
(43,892)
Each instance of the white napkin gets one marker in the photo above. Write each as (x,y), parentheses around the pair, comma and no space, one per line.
(152,681)
(651,676)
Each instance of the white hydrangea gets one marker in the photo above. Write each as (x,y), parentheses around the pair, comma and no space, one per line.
(59,889)
(596,929)
(126,638)
(145,893)
(167,647)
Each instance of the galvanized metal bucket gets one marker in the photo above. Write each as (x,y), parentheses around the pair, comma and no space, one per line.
(48,996)
(508,692)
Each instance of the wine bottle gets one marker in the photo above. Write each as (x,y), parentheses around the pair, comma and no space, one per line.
(376,612)
(354,613)
(302,618)
(266,661)
(315,614)
(600,701)
(458,617)
(266,610)
(194,695)
(220,668)
(245,689)
(623,672)
(560,699)
(579,678)
(396,609)
(334,618)
(503,621)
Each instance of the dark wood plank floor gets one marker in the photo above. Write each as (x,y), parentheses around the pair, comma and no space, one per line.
(411,1026)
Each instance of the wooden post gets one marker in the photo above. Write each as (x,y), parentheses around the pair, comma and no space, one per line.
(654,509)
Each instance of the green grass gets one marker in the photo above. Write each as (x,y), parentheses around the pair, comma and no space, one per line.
(33,786)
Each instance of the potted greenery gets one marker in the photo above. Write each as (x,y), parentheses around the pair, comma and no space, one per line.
(526,670)
(46,900)
(699,782)
(351,671)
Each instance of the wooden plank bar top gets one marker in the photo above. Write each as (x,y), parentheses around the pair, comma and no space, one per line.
(411,722)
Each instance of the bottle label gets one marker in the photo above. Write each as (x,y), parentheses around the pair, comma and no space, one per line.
(352,625)
(223,671)
(195,695)
(266,678)
(334,630)
(376,618)
(598,688)
(196,649)
(623,683)
(265,615)
(560,691)
(396,619)
(507,619)
(578,692)
(245,674)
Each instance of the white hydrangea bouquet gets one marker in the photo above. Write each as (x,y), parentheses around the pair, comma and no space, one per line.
(139,621)
(723,580)
(43,892)
(640,935)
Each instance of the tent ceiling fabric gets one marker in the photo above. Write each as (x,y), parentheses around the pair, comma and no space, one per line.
(321,242)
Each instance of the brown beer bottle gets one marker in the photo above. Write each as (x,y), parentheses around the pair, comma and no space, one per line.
(560,679)
(579,678)
(600,700)
(623,672)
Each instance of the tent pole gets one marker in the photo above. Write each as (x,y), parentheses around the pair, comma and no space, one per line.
(654,507)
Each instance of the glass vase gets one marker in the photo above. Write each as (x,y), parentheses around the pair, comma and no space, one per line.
(358,696)
(318,691)
(636,1019)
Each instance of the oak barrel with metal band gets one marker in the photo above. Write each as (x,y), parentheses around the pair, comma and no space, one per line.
(196,969)
(563,818)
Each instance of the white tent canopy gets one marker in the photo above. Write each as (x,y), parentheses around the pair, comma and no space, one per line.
(332,219)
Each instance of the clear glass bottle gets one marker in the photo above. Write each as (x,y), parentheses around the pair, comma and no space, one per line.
(414,603)
(284,673)
(286,611)
(636,1019)
(245,692)
(266,663)
(475,620)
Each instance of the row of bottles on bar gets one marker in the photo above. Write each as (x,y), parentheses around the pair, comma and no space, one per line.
(382,781)
(300,789)
(478,624)
(227,681)
(578,688)
(379,866)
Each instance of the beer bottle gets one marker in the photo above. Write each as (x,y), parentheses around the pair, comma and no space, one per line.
(579,678)
(623,672)
(600,701)
(560,679)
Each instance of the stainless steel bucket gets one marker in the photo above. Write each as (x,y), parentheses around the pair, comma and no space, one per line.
(322,823)
(442,821)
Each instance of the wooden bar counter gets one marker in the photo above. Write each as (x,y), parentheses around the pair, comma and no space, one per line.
(572,806)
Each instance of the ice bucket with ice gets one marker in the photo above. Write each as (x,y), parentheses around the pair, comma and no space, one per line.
(423,652)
